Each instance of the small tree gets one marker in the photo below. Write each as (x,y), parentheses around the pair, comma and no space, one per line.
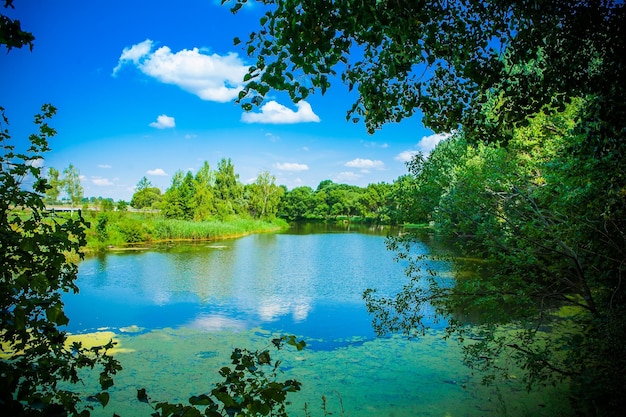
(145,195)
(54,186)
(264,196)
(72,186)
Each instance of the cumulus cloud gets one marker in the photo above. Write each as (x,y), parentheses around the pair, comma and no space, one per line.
(365,164)
(347,176)
(425,146)
(274,113)
(291,166)
(101,182)
(211,77)
(157,171)
(38,162)
(406,156)
(164,121)
(105,166)
(428,143)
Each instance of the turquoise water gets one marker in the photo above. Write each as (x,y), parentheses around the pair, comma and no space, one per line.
(178,311)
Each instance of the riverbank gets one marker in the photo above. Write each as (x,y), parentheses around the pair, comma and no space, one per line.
(115,231)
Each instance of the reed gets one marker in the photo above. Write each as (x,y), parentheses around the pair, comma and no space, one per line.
(116,230)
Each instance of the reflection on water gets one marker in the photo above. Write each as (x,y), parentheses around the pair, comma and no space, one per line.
(189,305)
(308,284)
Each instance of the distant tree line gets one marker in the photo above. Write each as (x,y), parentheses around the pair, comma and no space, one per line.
(211,194)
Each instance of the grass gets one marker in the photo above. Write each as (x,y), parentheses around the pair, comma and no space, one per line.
(118,230)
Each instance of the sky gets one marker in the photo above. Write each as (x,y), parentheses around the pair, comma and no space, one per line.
(147,88)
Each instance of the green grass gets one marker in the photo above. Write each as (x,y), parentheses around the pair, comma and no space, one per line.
(120,230)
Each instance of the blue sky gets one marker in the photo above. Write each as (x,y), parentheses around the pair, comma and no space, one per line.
(146,88)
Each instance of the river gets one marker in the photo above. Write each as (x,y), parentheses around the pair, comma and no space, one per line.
(178,310)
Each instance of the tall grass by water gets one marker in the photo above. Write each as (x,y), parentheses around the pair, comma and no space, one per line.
(119,230)
(170,229)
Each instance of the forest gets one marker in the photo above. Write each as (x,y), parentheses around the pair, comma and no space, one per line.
(218,195)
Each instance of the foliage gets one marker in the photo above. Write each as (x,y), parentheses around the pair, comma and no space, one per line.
(247,389)
(35,361)
(374,203)
(211,195)
(11,33)
(71,185)
(264,196)
(145,195)
(101,227)
(54,186)
(440,57)
(533,180)
(539,210)
(120,229)
(228,190)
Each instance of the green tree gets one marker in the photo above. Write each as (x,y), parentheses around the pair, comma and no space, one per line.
(54,183)
(121,206)
(36,361)
(298,204)
(228,191)
(178,199)
(441,57)
(11,33)
(375,200)
(265,196)
(202,201)
(534,179)
(72,186)
(145,195)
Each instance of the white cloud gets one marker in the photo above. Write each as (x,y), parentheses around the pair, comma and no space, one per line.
(164,122)
(157,171)
(36,163)
(274,113)
(365,164)
(406,156)
(101,182)
(133,54)
(372,144)
(347,176)
(105,166)
(425,146)
(272,137)
(291,166)
(211,77)
(428,143)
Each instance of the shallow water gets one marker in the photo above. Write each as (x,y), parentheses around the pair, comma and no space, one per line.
(178,312)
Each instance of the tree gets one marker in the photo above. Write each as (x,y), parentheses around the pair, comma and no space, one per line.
(534,178)
(538,210)
(145,195)
(298,204)
(72,186)
(265,196)
(11,33)
(443,58)
(203,202)
(54,183)
(228,190)
(36,361)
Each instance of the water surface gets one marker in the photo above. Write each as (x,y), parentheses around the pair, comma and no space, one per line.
(179,310)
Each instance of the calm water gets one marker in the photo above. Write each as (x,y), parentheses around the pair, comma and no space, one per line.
(178,311)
